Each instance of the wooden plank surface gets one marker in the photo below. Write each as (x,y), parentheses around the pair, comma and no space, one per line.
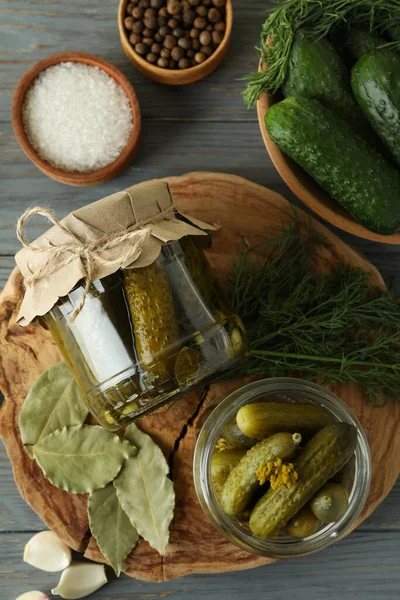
(199,127)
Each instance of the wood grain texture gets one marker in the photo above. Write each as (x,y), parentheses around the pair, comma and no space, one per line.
(349,571)
(194,545)
(202,126)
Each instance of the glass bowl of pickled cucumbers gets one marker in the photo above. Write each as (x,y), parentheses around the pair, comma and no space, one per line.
(282,467)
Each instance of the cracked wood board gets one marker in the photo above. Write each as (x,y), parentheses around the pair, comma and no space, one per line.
(242,208)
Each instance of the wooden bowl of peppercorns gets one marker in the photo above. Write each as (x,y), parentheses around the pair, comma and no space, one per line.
(175,41)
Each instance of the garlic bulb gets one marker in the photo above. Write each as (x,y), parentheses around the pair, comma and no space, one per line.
(46,551)
(80,580)
(34,595)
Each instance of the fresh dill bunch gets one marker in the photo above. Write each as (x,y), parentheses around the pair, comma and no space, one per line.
(330,327)
(318,18)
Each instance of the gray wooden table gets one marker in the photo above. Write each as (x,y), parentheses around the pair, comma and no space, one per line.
(200,127)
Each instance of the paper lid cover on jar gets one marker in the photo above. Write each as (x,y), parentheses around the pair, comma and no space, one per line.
(124,230)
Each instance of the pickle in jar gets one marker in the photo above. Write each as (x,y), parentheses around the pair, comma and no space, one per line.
(156,329)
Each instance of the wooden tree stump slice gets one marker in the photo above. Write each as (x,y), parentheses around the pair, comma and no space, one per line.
(241,208)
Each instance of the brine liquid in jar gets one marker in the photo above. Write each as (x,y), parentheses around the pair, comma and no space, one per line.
(146,334)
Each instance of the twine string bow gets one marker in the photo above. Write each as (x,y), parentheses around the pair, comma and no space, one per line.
(90,253)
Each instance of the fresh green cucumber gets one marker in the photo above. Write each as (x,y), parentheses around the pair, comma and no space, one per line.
(323,456)
(357,42)
(341,161)
(317,71)
(375,80)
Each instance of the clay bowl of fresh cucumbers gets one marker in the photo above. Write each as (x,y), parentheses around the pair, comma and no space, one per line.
(282,468)
(332,130)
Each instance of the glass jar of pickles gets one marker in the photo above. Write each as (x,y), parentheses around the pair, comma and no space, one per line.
(146,334)
(282,467)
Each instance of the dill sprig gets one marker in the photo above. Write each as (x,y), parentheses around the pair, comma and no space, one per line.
(318,17)
(331,328)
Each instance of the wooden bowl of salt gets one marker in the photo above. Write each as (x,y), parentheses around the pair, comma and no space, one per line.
(77,117)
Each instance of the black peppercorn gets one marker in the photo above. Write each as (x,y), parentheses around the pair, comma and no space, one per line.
(158,38)
(172,63)
(150,12)
(157,4)
(185,43)
(141,49)
(178,32)
(129,8)
(148,41)
(151,58)
(199,57)
(172,23)
(206,2)
(194,33)
(163,63)
(137,27)
(137,12)
(217,37)
(201,11)
(207,50)
(163,12)
(144,3)
(170,42)
(165,53)
(209,27)
(135,38)
(185,5)
(147,32)
(214,15)
(194,2)
(177,53)
(184,63)
(205,38)
(196,44)
(156,48)
(190,53)
(164,31)
(161,21)
(128,22)
(200,23)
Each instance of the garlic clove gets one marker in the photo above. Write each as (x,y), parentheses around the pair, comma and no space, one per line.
(46,551)
(34,595)
(80,580)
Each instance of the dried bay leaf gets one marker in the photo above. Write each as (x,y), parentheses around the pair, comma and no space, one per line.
(111,526)
(145,492)
(82,458)
(53,401)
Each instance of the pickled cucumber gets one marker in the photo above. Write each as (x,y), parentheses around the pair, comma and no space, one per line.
(243,481)
(199,268)
(262,419)
(235,437)
(155,326)
(221,465)
(303,524)
(323,456)
(187,366)
(330,503)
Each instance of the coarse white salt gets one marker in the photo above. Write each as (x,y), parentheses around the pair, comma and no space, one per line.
(77,117)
